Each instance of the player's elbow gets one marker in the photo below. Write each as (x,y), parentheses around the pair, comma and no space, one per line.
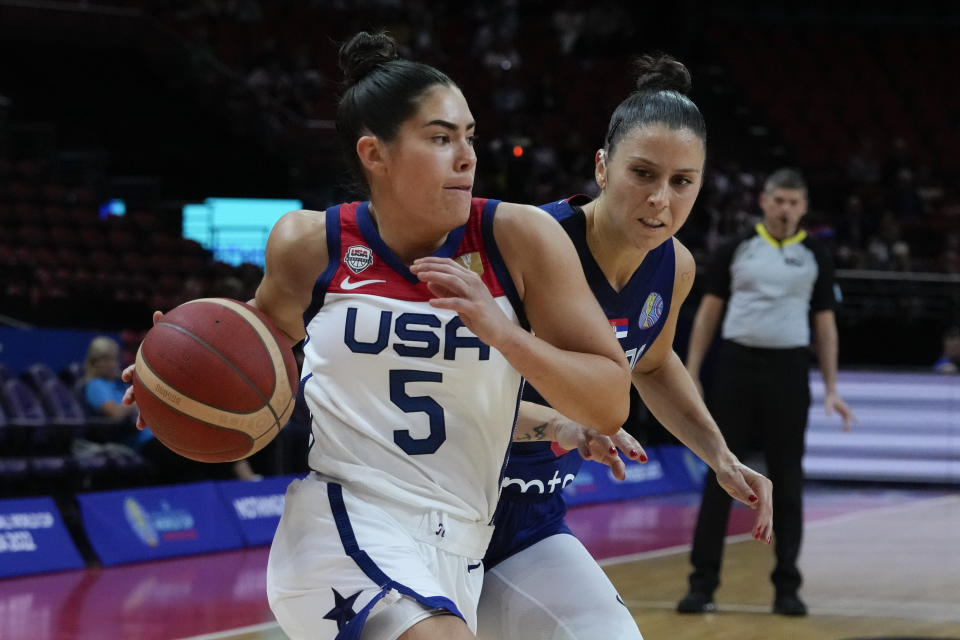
(620,416)
(611,421)
(614,408)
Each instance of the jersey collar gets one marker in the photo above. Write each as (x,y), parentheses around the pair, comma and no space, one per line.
(370,233)
(799,236)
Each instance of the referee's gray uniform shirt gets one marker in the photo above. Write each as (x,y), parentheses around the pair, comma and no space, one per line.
(771,288)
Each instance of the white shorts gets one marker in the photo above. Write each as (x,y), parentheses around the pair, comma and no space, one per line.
(342,566)
(552,590)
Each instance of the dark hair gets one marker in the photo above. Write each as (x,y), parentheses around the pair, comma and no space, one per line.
(380,92)
(785,178)
(660,98)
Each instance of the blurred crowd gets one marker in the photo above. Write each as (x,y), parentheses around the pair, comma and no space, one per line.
(541,77)
(891,215)
(531,69)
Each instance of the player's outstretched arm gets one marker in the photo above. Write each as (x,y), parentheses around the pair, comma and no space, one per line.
(537,423)
(675,401)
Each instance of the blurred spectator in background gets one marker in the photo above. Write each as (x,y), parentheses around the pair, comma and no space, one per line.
(906,199)
(949,361)
(863,167)
(103,390)
(949,258)
(886,249)
(899,159)
(852,232)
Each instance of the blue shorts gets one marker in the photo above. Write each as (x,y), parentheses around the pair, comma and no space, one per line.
(522,523)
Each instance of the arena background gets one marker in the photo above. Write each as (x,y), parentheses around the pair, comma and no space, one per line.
(114,116)
(162,103)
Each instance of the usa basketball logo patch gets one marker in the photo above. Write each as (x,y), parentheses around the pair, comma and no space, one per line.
(652,310)
(358,258)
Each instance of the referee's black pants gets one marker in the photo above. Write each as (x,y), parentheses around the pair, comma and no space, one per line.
(760,399)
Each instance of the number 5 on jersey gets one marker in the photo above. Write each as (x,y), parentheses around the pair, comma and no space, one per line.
(416,404)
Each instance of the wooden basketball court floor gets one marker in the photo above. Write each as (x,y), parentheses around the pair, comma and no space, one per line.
(878,563)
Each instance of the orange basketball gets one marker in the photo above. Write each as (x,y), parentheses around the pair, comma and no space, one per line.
(213,382)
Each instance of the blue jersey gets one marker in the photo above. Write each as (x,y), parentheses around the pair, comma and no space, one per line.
(537,471)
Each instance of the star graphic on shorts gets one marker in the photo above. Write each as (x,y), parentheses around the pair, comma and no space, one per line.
(342,610)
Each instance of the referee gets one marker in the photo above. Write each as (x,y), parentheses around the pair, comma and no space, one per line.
(771,282)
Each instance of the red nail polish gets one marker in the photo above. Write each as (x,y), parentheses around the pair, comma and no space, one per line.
(643,457)
(633,453)
(753,498)
(613,451)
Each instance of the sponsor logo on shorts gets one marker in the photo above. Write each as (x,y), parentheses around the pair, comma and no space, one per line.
(528,486)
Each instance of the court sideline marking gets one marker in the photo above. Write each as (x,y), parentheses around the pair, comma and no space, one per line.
(843,607)
(667,551)
(814,524)
(232,633)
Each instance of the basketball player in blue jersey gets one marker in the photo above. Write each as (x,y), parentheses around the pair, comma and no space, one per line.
(540,581)
(413,306)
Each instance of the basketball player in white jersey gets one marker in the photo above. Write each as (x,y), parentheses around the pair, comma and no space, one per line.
(414,307)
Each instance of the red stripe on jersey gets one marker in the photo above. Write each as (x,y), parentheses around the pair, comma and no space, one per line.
(362,271)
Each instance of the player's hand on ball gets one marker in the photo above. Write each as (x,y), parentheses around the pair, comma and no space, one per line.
(214,379)
(128,395)
(127,376)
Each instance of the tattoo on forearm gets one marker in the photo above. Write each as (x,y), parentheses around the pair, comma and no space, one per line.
(540,431)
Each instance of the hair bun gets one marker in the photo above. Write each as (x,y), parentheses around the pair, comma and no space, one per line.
(660,72)
(364,53)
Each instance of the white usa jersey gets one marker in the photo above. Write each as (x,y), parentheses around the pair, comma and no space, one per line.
(406,402)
